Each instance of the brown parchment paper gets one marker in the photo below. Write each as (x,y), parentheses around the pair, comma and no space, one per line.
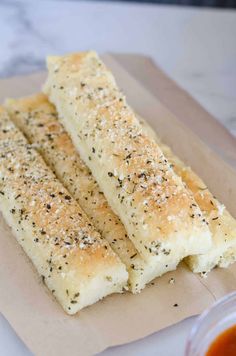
(179,102)
(36,316)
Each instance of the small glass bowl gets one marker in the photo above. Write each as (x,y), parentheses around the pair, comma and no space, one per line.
(211,323)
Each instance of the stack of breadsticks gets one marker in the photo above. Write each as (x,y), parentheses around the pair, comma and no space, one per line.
(96,200)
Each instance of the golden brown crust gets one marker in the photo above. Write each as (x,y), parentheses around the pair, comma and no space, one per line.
(221,224)
(160,215)
(37,118)
(51,227)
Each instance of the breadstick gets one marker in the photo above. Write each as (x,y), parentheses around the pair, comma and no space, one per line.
(161,217)
(76,264)
(37,119)
(221,223)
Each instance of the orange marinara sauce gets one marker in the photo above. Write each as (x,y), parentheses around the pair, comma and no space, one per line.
(224,344)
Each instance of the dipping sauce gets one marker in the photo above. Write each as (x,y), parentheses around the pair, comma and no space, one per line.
(224,344)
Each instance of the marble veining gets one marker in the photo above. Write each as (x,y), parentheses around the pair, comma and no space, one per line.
(195,47)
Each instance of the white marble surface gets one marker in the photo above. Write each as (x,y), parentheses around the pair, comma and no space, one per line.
(195,47)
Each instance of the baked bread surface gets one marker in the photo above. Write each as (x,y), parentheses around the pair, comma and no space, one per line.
(77,265)
(37,119)
(221,223)
(160,215)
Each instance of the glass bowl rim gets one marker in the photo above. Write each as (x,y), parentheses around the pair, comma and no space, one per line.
(202,318)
